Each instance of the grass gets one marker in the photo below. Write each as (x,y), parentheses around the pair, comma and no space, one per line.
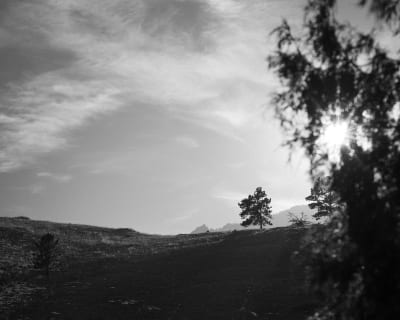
(238,275)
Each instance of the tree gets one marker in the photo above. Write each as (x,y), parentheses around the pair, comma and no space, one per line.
(334,73)
(386,11)
(298,220)
(322,198)
(46,252)
(256,209)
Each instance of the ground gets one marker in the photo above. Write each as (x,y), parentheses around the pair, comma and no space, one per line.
(237,275)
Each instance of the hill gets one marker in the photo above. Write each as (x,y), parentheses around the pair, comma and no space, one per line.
(17,235)
(280,219)
(121,274)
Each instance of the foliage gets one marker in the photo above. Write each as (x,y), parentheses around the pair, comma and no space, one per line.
(334,73)
(322,198)
(46,252)
(329,255)
(256,209)
(298,220)
(385,10)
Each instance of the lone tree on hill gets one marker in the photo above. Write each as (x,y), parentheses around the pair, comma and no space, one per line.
(256,209)
(322,198)
(46,253)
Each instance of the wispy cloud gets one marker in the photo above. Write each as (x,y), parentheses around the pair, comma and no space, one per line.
(61,178)
(117,164)
(201,61)
(187,142)
(36,188)
(185,216)
(228,195)
(236,165)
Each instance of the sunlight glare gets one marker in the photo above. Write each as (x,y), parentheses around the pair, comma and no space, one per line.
(333,138)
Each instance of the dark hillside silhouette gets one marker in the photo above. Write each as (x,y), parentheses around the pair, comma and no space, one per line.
(206,276)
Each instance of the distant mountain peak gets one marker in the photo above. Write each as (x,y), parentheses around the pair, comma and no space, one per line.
(201,229)
(280,219)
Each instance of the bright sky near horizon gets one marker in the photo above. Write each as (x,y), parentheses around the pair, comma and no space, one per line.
(149,114)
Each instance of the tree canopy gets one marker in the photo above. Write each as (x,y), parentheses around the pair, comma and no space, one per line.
(256,209)
(46,252)
(298,220)
(322,198)
(333,73)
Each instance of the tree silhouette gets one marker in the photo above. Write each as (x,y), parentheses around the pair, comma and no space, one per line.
(387,11)
(256,209)
(334,73)
(300,220)
(322,198)
(46,252)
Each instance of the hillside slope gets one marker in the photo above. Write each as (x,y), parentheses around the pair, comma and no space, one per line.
(17,236)
(213,276)
(77,244)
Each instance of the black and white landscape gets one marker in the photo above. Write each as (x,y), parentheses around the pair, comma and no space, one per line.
(122,274)
(200,159)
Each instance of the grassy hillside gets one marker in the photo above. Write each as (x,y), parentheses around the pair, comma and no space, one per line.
(122,274)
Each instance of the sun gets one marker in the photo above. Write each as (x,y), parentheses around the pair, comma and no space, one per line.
(334,136)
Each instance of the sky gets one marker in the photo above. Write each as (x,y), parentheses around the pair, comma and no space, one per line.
(150,114)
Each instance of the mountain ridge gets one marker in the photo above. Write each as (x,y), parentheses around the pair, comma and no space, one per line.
(280,219)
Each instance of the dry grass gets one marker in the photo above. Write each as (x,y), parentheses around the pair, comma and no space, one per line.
(120,274)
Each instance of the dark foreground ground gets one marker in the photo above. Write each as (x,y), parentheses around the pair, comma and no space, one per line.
(243,275)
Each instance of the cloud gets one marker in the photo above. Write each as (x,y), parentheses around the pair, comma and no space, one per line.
(236,165)
(201,61)
(116,164)
(36,189)
(228,195)
(42,111)
(184,216)
(187,142)
(61,178)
